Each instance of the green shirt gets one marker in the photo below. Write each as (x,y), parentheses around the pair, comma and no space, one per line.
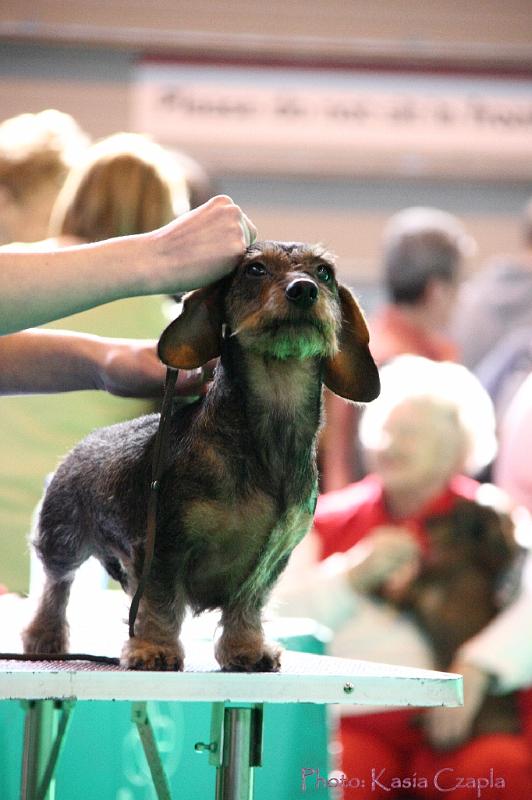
(37,431)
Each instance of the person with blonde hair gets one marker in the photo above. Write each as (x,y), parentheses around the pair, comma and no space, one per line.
(124,184)
(36,153)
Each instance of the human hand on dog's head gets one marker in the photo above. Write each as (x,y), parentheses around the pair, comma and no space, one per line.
(198,247)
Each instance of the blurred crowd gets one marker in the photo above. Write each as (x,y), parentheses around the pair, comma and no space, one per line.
(419,553)
(420,548)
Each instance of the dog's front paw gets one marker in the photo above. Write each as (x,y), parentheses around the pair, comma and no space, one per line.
(239,656)
(143,655)
(45,638)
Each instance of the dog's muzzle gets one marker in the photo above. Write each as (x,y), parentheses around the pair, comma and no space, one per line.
(303,292)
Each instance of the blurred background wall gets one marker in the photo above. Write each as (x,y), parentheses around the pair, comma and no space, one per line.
(84,58)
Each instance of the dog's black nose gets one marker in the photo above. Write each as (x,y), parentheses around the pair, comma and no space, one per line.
(303,292)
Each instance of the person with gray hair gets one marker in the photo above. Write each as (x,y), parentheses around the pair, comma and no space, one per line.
(422,253)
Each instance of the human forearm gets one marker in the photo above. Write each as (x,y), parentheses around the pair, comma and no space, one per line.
(503,648)
(43,361)
(38,287)
(193,250)
(497,660)
(448,730)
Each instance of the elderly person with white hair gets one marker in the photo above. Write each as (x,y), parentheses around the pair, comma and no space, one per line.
(408,566)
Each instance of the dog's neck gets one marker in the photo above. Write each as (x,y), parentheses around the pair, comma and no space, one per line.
(288,388)
(277,403)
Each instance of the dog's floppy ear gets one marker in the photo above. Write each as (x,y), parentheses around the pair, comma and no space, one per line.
(352,372)
(195,336)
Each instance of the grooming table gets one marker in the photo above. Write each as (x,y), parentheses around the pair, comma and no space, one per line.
(51,689)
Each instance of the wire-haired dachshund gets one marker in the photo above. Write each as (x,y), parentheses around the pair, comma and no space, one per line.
(240,479)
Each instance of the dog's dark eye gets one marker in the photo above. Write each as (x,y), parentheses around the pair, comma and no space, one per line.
(324,273)
(256,269)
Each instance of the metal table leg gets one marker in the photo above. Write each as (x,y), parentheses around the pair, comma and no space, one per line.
(235,749)
(147,737)
(45,730)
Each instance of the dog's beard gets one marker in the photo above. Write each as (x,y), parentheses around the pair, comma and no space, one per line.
(299,339)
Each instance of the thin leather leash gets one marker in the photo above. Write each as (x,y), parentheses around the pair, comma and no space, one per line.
(115,662)
(157,471)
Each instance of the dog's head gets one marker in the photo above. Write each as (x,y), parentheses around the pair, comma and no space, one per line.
(282,301)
